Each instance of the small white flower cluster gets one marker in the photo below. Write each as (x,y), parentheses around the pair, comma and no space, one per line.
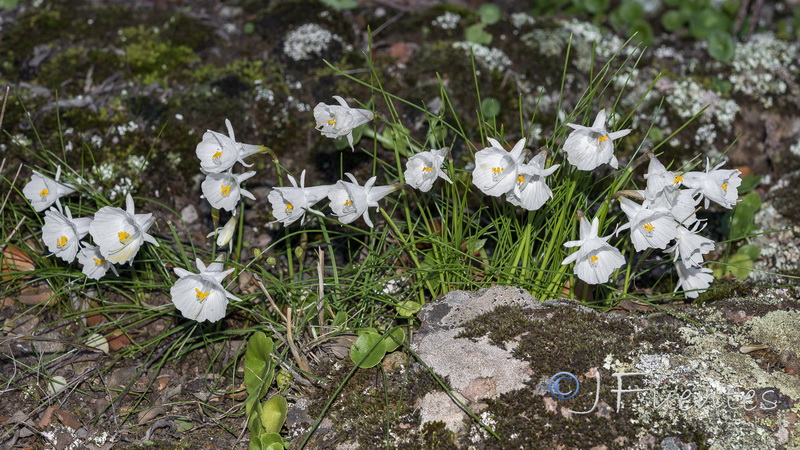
(447,21)
(489,58)
(118,234)
(307,41)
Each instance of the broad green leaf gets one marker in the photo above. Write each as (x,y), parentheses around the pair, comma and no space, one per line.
(394,339)
(490,13)
(673,20)
(752,251)
(490,107)
(368,350)
(721,46)
(258,370)
(476,33)
(273,413)
(408,308)
(641,31)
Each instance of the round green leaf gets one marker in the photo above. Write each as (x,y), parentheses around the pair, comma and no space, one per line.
(641,31)
(475,33)
(408,308)
(673,20)
(368,350)
(630,11)
(273,413)
(490,13)
(594,6)
(705,22)
(752,251)
(394,339)
(490,107)
(744,263)
(721,46)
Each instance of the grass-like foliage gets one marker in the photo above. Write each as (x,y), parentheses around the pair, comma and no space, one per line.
(334,273)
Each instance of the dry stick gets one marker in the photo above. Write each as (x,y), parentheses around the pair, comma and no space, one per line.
(13,182)
(3,111)
(298,357)
(11,235)
(320,290)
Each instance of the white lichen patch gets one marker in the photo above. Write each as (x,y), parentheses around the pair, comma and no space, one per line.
(519,20)
(779,329)
(607,44)
(307,41)
(489,58)
(686,98)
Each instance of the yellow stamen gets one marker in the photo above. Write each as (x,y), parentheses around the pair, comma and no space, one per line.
(332,121)
(593,258)
(124,237)
(427,169)
(603,138)
(678,179)
(648,227)
(348,203)
(99,262)
(44,194)
(497,170)
(725,187)
(289,207)
(61,242)
(217,155)
(520,179)
(201,295)
(226,189)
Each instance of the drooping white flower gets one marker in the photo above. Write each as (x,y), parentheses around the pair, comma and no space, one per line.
(650,228)
(424,168)
(690,247)
(349,200)
(531,190)
(335,121)
(201,296)
(223,190)
(496,169)
(589,147)
(693,280)
(660,179)
(225,234)
(119,233)
(62,234)
(718,186)
(595,259)
(43,191)
(681,203)
(94,264)
(219,153)
(291,203)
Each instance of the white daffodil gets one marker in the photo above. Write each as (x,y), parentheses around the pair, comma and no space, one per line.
(496,169)
(596,259)
(650,228)
(94,264)
(335,121)
(681,203)
(718,186)
(291,203)
(62,234)
(349,200)
(660,179)
(201,296)
(42,191)
(690,247)
(225,234)
(693,280)
(589,147)
(531,190)
(120,233)
(219,153)
(424,168)
(223,190)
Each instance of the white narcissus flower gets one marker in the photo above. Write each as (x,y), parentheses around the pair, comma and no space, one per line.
(496,169)
(335,121)
(42,191)
(659,179)
(223,190)
(424,168)
(596,259)
(690,247)
(693,280)
(681,203)
(201,296)
(291,203)
(589,147)
(531,190)
(349,200)
(650,228)
(94,264)
(119,233)
(718,186)
(62,234)
(219,153)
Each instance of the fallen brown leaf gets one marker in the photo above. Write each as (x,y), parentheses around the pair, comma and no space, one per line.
(68,419)
(47,417)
